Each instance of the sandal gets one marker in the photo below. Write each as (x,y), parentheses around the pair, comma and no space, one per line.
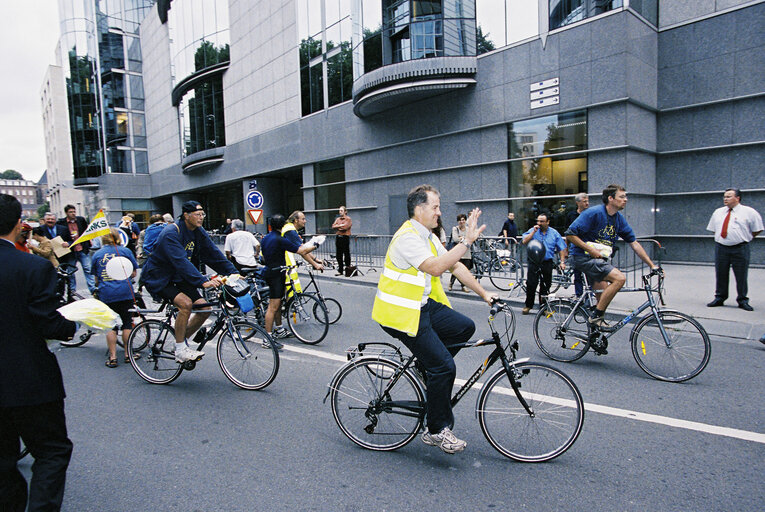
(136,357)
(111,363)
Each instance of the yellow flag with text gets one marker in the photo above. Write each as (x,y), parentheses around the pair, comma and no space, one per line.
(98,226)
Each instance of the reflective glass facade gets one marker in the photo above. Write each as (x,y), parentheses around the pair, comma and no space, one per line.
(199,32)
(80,67)
(564,12)
(324,46)
(543,168)
(391,31)
(331,197)
(504,22)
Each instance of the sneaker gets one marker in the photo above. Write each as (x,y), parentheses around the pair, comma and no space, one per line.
(267,344)
(281,333)
(525,311)
(599,322)
(187,354)
(446,440)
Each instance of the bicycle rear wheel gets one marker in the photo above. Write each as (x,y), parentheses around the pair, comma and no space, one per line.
(555,401)
(686,355)
(557,342)
(367,414)
(558,278)
(249,359)
(154,341)
(505,273)
(307,318)
(334,309)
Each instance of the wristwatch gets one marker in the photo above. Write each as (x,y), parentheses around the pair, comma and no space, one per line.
(465,244)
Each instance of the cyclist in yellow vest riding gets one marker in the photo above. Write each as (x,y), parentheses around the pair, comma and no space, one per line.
(411,305)
(295,222)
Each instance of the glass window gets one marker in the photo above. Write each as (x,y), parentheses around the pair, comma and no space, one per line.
(564,12)
(136,92)
(141,162)
(139,130)
(503,22)
(649,9)
(331,197)
(199,35)
(202,121)
(134,54)
(118,160)
(541,175)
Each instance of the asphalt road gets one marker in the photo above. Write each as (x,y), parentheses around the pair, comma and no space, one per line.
(201,444)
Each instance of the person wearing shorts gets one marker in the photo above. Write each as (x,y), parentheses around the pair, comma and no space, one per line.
(117,294)
(273,247)
(172,273)
(603,225)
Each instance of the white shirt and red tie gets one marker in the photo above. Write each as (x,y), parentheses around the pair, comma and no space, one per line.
(733,226)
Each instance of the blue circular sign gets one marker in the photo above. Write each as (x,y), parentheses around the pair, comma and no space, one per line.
(123,238)
(254,199)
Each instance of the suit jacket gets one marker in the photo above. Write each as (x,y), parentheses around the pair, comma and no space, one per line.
(65,235)
(29,372)
(82,225)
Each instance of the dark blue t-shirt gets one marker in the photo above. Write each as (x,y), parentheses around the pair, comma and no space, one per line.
(595,225)
(110,290)
(273,246)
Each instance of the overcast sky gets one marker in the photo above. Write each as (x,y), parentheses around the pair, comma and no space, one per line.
(28,35)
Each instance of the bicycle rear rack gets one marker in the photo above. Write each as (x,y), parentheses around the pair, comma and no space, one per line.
(378,349)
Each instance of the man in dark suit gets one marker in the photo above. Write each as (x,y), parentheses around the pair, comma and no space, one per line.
(31,386)
(76,225)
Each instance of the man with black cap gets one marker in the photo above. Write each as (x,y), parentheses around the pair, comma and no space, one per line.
(171,272)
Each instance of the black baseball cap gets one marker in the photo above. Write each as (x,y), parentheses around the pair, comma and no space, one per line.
(191,206)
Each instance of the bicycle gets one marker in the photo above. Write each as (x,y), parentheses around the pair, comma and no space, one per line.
(66,296)
(306,315)
(333,307)
(667,345)
(246,353)
(378,398)
(504,271)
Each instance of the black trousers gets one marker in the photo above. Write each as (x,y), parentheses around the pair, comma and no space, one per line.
(727,256)
(343,254)
(43,430)
(533,280)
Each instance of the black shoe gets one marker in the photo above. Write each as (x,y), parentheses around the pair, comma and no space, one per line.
(716,303)
(762,340)
(745,306)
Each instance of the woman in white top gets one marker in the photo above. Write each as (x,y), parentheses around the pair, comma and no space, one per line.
(458,234)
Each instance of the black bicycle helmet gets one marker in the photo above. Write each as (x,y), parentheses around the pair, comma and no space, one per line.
(535,251)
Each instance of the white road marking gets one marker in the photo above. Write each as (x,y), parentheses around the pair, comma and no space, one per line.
(602,409)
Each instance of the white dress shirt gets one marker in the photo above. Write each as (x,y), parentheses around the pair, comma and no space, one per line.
(744,221)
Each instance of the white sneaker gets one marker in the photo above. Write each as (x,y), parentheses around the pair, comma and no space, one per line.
(281,333)
(446,440)
(187,354)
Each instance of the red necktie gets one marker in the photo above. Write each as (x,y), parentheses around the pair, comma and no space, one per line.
(724,232)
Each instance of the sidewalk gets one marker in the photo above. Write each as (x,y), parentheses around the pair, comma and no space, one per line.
(688,289)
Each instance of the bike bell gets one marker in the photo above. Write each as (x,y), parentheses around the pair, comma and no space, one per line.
(535,251)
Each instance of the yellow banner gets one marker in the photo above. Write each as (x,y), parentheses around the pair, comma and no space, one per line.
(99,226)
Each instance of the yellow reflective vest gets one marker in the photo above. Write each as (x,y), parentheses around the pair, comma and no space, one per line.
(289,257)
(399,291)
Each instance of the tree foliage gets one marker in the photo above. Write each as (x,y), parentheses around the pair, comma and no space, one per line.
(10,174)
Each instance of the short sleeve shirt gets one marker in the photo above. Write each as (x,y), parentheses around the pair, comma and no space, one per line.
(595,225)
(744,221)
(552,241)
(411,249)
(242,245)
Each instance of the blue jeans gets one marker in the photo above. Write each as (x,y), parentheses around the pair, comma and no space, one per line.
(440,328)
(84,260)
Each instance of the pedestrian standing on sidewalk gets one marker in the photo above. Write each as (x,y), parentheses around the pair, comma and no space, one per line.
(31,386)
(553,243)
(342,227)
(734,226)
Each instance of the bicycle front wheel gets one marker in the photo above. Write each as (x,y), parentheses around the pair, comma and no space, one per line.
(247,355)
(154,342)
(505,273)
(307,318)
(334,310)
(78,340)
(682,356)
(553,398)
(371,415)
(556,339)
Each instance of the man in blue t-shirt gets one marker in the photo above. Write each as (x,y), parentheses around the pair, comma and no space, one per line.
(603,225)
(273,247)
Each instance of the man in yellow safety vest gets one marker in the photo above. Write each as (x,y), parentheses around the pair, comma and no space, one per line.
(411,305)
(295,222)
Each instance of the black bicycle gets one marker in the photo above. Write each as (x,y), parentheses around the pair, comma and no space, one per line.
(333,307)
(246,353)
(66,295)
(529,412)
